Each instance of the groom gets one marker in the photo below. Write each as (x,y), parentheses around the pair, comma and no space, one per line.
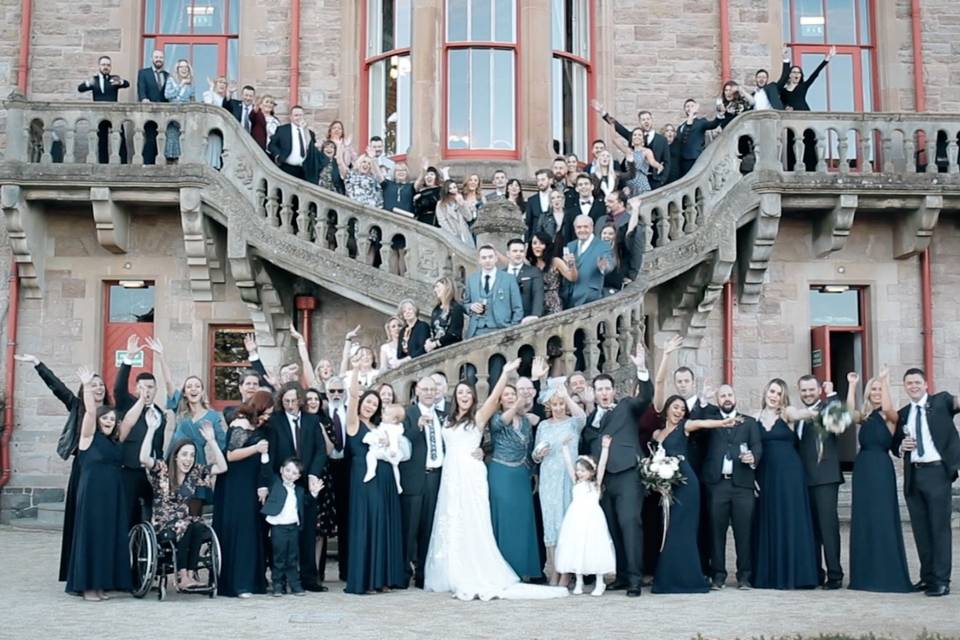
(623,491)
(420,477)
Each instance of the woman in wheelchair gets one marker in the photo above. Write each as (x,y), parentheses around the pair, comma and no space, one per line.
(175,483)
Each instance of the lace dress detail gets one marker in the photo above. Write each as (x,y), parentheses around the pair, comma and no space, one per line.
(639,183)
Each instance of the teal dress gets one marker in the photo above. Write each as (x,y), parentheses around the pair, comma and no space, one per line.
(511,496)
(189,428)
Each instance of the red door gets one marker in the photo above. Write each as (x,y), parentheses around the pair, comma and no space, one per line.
(820,352)
(128,310)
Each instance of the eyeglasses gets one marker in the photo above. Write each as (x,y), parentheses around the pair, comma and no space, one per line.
(334,390)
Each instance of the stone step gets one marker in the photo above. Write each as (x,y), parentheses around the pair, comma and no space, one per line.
(50,513)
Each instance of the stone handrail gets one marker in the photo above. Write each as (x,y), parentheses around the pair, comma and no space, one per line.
(287,209)
(693,223)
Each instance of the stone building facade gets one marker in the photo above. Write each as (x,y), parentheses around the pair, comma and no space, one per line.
(642,55)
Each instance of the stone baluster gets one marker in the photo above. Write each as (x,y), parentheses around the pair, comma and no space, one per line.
(823,151)
(47,139)
(623,338)
(483,374)
(689,214)
(886,145)
(676,221)
(364,242)
(910,152)
(287,213)
(646,221)
(798,166)
(609,342)
(342,234)
(568,348)
(161,145)
(92,146)
(114,140)
(843,149)
(663,227)
(591,350)
(272,208)
(387,260)
(932,151)
(863,139)
(69,146)
(952,147)
(304,218)
(138,137)
(260,198)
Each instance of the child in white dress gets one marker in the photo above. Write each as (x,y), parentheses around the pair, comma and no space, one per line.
(584,544)
(388,449)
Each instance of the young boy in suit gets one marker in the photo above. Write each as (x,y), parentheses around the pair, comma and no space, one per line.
(284,511)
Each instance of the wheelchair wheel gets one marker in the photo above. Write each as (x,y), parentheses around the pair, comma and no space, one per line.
(144,552)
(210,560)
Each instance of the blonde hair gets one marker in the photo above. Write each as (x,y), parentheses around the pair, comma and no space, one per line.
(868,407)
(263,99)
(176,69)
(784,396)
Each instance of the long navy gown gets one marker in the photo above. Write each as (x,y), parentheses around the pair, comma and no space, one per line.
(375,532)
(99,556)
(784,553)
(878,561)
(678,568)
(237,520)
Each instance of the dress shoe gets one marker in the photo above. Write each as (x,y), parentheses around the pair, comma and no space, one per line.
(634,592)
(937,591)
(920,586)
(832,584)
(617,585)
(716,585)
(744,586)
(316,588)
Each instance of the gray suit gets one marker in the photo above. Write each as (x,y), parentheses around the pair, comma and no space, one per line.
(504,303)
(589,284)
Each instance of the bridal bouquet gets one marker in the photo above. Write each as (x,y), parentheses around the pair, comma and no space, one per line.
(661,473)
(833,420)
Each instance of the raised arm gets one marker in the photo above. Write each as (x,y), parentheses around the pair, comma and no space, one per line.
(212,449)
(353,405)
(693,425)
(660,381)
(55,384)
(130,418)
(307,373)
(121,386)
(852,379)
(162,368)
(609,119)
(347,344)
(890,414)
(489,407)
(793,414)
(253,356)
(568,271)
(89,425)
(604,455)
(146,455)
(816,72)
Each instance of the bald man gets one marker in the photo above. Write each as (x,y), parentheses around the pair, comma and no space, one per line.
(593,259)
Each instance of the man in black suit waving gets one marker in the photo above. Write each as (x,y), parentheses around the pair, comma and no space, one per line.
(692,134)
(150,84)
(623,491)
(529,278)
(653,140)
(728,472)
(294,434)
(291,145)
(821,463)
(105,87)
(927,438)
(420,477)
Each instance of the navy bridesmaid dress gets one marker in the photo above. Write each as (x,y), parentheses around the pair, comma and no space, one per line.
(99,556)
(878,561)
(375,535)
(785,556)
(678,568)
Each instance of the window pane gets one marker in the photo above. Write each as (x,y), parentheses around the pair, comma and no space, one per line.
(569,27)
(817,93)
(175,16)
(458,105)
(226,383)
(865,35)
(149,44)
(810,21)
(131,304)
(208,16)
(866,68)
(404,23)
(481,18)
(233,13)
(390,95)
(505,13)
(558,25)
(206,60)
(841,22)
(457,20)
(233,55)
(841,308)
(481,88)
(174,52)
(503,101)
(149,16)
(228,346)
(569,107)
(841,83)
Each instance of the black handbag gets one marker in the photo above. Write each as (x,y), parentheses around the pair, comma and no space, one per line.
(67,443)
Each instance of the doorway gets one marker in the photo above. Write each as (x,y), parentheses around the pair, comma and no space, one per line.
(128,310)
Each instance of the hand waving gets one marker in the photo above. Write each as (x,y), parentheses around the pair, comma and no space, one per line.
(154,345)
(27,357)
(673,344)
(539,369)
(86,375)
(511,366)
(639,359)
(853,377)
(250,342)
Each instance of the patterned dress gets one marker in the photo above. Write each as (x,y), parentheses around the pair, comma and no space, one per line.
(365,189)
(171,510)
(551,291)
(639,183)
(555,484)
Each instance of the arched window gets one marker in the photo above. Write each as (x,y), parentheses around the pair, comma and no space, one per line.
(480,80)
(571,80)
(388,86)
(205,32)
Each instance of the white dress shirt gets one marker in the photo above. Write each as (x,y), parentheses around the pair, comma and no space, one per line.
(297,152)
(289,514)
(514,270)
(727,468)
(339,410)
(431,432)
(930,453)
(583,245)
(585,206)
(293,429)
(760,100)
(544,200)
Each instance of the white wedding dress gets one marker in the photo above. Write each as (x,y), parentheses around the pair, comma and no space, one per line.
(463,557)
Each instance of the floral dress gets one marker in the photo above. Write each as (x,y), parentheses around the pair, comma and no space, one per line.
(639,183)
(365,189)
(551,291)
(326,508)
(555,484)
(171,511)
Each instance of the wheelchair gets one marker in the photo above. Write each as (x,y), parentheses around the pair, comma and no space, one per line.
(153,559)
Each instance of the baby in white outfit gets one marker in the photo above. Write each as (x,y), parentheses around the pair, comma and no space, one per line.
(391,451)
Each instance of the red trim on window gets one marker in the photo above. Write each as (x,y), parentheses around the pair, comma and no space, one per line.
(213,365)
(160,39)
(363,123)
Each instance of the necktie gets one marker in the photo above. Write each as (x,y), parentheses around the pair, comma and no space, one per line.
(159,80)
(303,143)
(103,83)
(918,421)
(432,440)
(337,431)
(296,435)
(486,284)
(246,118)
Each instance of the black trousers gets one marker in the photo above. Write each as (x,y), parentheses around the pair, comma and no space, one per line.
(285,542)
(730,504)
(621,502)
(69,518)
(188,548)
(340,470)
(296,172)
(826,531)
(308,541)
(139,495)
(417,517)
(685,165)
(929,503)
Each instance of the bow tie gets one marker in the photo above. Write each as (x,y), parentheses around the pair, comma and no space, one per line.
(586,202)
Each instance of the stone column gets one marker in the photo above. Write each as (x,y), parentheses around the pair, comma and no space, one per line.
(426,48)
(535,138)
(497,223)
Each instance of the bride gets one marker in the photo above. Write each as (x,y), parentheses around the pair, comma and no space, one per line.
(463,557)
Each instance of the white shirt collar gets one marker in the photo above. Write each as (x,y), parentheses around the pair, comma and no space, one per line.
(583,244)
(921,402)
(691,402)
(492,273)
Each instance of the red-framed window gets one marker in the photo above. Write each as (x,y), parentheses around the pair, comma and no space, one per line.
(387,83)
(481,83)
(204,32)
(228,359)
(572,80)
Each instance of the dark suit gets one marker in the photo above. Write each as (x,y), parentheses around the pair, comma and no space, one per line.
(547,224)
(139,493)
(658,145)
(692,138)
(823,479)
(340,472)
(630,246)
(419,498)
(148,89)
(530,281)
(596,211)
(311,450)
(773,93)
(927,487)
(623,491)
(282,145)
(532,213)
(109,93)
(730,497)
(284,538)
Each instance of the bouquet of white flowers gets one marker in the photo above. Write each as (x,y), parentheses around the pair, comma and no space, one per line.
(660,473)
(833,420)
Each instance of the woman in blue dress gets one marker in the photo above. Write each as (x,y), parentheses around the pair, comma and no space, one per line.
(878,561)
(178,89)
(678,568)
(99,559)
(375,530)
(784,553)
(509,477)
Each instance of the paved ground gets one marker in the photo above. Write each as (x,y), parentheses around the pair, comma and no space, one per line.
(34,606)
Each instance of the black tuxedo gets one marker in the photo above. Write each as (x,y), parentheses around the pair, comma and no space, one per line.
(340,474)
(282,145)
(927,487)
(730,497)
(110,93)
(823,479)
(692,138)
(532,213)
(312,452)
(139,493)
(661,153)
(419,498)
(530,280)
(596,211)
(773,94)
(149,90)
(623,494)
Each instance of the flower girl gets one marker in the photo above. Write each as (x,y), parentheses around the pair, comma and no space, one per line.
(584,544)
